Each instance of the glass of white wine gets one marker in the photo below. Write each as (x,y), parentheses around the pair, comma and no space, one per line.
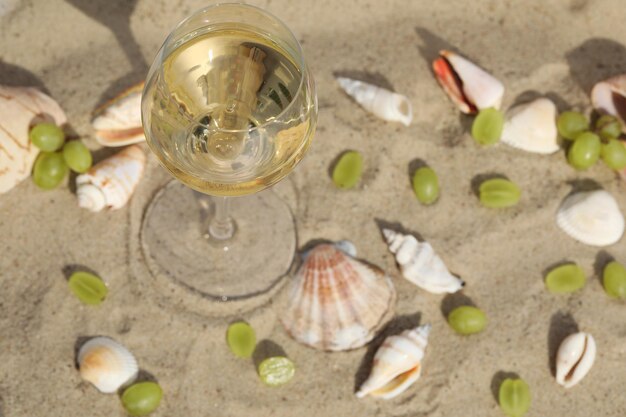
(229,108)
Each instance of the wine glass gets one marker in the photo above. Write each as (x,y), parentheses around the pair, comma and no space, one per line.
(229,108)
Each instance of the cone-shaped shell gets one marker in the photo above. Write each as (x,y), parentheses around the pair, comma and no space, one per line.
(531,127)
(575,358)
(420,264)
(397,364)
(609,97)
(470,87)
(337,302)
(106,364)
(381,102)
(20,109)
(118,122)
(111,182)
(591,217)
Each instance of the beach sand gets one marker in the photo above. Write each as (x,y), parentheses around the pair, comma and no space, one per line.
(84,52)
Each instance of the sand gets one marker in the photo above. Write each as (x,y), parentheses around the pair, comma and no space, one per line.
(83,52)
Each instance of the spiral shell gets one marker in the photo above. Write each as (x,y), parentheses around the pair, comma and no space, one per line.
(106,364)
(608,97)
(575,358)
(118,122)
(531,127)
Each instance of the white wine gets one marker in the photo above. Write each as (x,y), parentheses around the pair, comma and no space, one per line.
(228,113)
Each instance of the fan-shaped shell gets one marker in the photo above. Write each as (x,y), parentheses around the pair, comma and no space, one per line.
(106,364)
(575,358)
(531,127)
(591,217)
(609,96)
(118,122)
(337,302)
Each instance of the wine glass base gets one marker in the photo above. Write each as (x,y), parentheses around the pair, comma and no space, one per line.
(176,244)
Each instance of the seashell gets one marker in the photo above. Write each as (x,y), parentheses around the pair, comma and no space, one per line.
(20,109)
(420,264)
(379,101)
(397,364)
(337,302)
(118,122)
(532,127)
(106,364)
(575,358)
(111,182)
(470,87)
(592,218)
(609,96)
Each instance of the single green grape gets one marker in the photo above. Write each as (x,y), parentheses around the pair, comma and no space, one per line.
(49,170)
(47,136)
(276,371)
(241,339)
(614,154)
(348,170)
(426,185)
(514,397)
(487,126)
(467,320)
(142,398)
(571,124)
(585,151)
(614,280)
(499,193)
(88,288)
(608,127)
(77,156)
(565,279)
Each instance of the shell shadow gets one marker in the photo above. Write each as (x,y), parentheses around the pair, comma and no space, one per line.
(497,380)
(452,301)
(431,45)
(480,178)
(594,60)
(561,325)
(397,227)
(602,259)
(555,265)
(583,185)
(375,78)
(15,76)
(69,269)
(531,95)
(396,326)
(266,349)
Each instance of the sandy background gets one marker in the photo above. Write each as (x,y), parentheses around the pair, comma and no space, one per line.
(83,52)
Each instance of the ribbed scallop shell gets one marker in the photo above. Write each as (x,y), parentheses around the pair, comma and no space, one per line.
(118,122)
(20,109)
(111,182)
(575,358)
(397,364)
(531,127)
(337,302)
(608,97)
(591,217)
(106,364)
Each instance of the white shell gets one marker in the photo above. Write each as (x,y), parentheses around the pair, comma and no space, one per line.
(532,127)
(383,103)
(575,358)
(20,108)
(397,364)
(592,218)
(420,264)
(607,95)
(111,182)
(106,364)
(118,123)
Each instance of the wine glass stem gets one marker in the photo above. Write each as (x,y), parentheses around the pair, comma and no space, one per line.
(221,226)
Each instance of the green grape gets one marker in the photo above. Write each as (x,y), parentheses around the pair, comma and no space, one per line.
(614,280)
(571,124)
(47,136)
(88,288)
(565,279)
(276,371)
(467,320)
(241,339)
(608,127)
(77,156)
(487,126)
(499,193)
(348,170)
(585,151)
(142,398)
(426,185)
(514,397)
(614,154)
(49,170)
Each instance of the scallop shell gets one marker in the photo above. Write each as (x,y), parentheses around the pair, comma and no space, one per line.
(532,127)
(420,264)
(106,364)
(381,102)
(118,122)
(575,358)
(111,182)
(592,218)
(397,364)
(20,109)
(470,87)
(609,96)
(337,302)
